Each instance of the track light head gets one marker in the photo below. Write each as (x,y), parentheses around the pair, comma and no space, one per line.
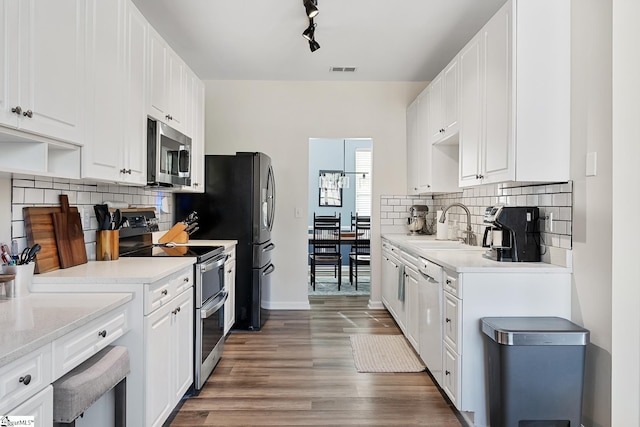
(313,45)
(311,29)
(311,8)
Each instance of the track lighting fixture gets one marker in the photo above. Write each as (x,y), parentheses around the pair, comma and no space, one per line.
(313,45)
(311,6)
(309,32)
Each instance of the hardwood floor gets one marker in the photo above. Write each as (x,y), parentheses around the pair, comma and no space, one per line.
(298,370)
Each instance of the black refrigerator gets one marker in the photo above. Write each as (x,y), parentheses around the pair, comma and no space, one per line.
(239,204)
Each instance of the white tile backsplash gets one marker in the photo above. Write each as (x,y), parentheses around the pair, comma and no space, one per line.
(43,191)
(549,198)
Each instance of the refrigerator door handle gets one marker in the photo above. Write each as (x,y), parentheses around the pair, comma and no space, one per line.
(271,198)
(269,270)
(269,247)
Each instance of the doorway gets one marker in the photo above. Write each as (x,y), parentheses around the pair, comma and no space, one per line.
(340,178)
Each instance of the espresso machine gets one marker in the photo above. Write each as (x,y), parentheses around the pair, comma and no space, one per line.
(512,233)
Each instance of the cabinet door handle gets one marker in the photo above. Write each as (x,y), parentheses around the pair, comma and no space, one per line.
(28,113)
(102,333)
(185,280)
(447,373)
(447,320)
(168,117)
(164,292)
(448,282)
(26,379)
(176,311)
(17,109)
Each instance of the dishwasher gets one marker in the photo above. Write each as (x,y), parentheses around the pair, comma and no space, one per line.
(430,309)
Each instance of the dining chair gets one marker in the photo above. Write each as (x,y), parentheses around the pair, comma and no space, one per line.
(360,254)
(326,246)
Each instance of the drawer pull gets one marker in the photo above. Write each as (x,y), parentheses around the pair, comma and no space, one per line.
(447,320)
(164,292)
(447,373)
(176,311)
(26,379)
(185,280)
(448,282)
(102,333)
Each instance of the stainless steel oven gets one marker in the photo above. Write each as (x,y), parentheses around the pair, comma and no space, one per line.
(210,296)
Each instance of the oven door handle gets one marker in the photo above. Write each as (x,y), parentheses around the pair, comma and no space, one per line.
(214,263)
(214,305)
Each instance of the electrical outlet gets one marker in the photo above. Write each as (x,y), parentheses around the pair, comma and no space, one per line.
(85,218)
(548,222)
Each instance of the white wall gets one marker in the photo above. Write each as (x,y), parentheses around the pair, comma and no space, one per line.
(278,118)
(591,132)
(626,212)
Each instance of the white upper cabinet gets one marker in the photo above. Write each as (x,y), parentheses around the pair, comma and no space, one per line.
(116,41)
(430,168)
(168,85)
(515,96)
(413,160)
(42,68)
(470,112)
(135,135)
(443,104)
(195,128)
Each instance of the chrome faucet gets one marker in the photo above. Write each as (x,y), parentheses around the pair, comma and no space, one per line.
(470,237)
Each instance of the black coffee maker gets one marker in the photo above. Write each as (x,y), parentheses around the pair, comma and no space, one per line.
(512,233)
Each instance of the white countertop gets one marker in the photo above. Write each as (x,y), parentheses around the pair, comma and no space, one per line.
(467,259)
(122,270)
(29,322)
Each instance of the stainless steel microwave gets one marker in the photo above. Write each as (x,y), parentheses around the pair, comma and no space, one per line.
(168,155)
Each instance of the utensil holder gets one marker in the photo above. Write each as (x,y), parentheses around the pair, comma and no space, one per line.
(107,245)
(21,285)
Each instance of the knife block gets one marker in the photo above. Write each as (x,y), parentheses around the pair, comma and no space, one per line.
(176,234)
(107,245)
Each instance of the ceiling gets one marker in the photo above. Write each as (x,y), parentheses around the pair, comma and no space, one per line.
(387,40)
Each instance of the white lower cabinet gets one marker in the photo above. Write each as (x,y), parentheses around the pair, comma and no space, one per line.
(411,304)
(168,338)
(23,378)
(40,407)
(391,280)
(230,286)
(467,297)
(451,378)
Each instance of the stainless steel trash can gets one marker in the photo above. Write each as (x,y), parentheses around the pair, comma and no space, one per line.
(535,371)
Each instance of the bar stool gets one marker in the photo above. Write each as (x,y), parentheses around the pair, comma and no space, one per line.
(80,388)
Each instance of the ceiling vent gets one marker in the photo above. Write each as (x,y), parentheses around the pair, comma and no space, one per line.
(343,69)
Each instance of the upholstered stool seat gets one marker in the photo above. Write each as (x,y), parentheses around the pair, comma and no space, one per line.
(80,388)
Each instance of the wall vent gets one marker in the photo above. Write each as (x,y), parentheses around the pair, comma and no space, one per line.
(343,69)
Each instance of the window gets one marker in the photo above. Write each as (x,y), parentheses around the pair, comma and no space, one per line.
(363,181)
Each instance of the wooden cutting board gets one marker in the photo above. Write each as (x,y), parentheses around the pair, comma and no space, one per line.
(38,223)
(69,235)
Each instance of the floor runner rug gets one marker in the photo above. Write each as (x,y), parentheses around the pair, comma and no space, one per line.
(384,353)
